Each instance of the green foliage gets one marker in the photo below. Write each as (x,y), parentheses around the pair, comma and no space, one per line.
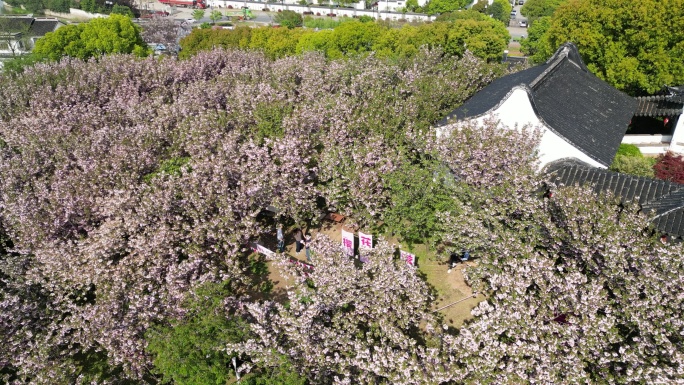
(15,10)
(122,10)
(198,14)
(320,41)
(418,191)
(500,10)
(289,19)
(535,9)
(480,6)
(355,37)
(269,119)
(275,42)
(468,14)
(530,45)
(205,25)
(310,22)
(207,39)
(16,65)
(59,5)
(215,15)
(191,350)
(632,45)
(484,37)
(634,165)
(444,6)
(100,36)
(496,10)
(283,374)
(171,167)
(412,6)
(629,150)
(88,5)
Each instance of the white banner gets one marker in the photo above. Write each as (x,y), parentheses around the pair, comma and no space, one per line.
(263,250)
(408,257)
(348,243)
(365,241)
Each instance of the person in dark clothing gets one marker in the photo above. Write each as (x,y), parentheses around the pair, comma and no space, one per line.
(298,240)
(453,260)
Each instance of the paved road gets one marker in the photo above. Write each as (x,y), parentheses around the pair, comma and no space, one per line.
(513,28)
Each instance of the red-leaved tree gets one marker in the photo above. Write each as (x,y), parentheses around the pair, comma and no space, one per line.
(670,166)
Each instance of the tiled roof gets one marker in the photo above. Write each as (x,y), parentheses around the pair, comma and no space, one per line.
(661,201)
(573,103)
(42,26)
(490,96)
(28,24)
(668,102)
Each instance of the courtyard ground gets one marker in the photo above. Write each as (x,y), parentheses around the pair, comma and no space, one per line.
(454,300)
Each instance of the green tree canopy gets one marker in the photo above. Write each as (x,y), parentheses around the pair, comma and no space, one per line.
(500,10)
(114,34)
(444,6)
(636,46)
(215,15)
(122,10)
(189,351)
(535,32)
(289,19)
(534,9)
(469,14)
(198,14)
(482,35)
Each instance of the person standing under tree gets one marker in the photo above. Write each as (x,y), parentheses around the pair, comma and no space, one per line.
(298,240)
(281,238)
(307,247)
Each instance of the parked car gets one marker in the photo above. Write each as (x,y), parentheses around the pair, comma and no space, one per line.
(523,23)
(521,2)
(513,14)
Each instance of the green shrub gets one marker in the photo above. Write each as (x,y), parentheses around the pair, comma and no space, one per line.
(289,19)
(191,350)
(122,10)
(629,150)
(634,165)
(311,22)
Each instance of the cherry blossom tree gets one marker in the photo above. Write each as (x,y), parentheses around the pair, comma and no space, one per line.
(125,184)
(349,322)
(579,290)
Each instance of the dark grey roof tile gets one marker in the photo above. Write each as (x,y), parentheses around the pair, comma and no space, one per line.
(661,201)
(576,105)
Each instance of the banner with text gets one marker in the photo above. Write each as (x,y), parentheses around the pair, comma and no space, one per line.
(263,250)
(365,241)
(348,243)
(408,257)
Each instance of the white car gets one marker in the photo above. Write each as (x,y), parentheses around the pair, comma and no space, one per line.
(523,23)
